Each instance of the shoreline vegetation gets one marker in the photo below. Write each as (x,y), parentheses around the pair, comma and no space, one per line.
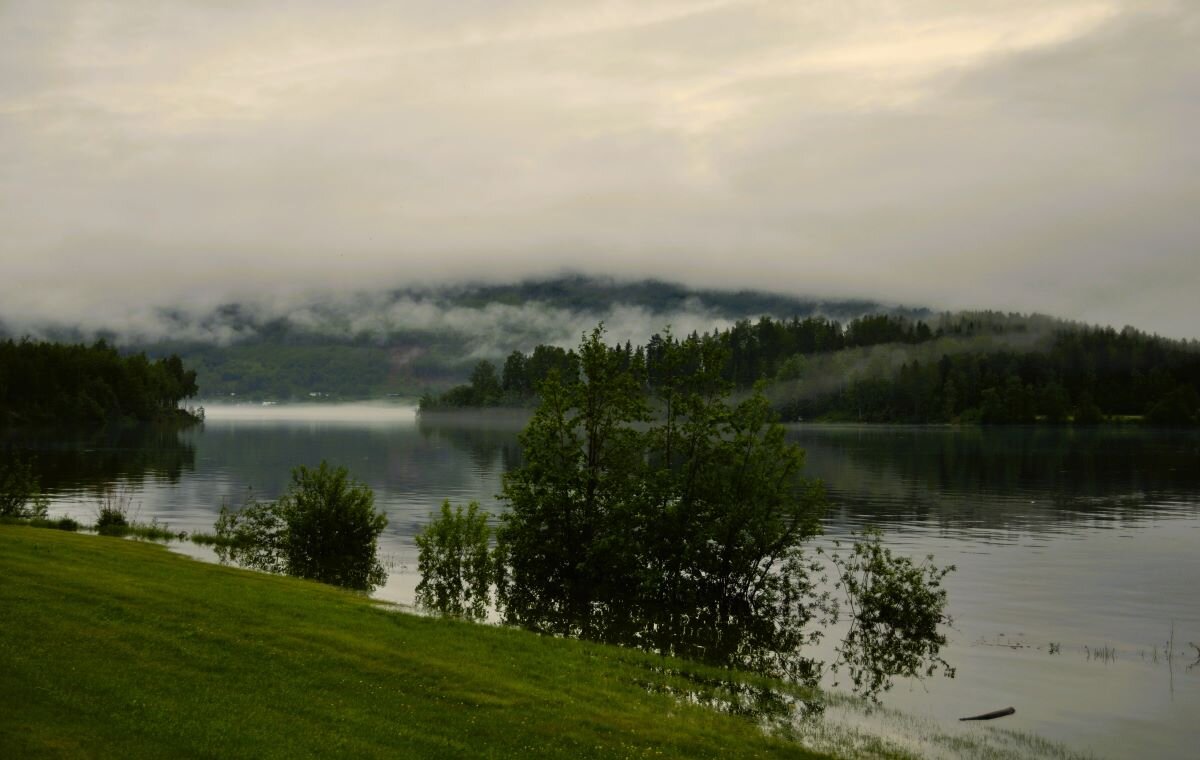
(123,649)
(967,368)
(684,536)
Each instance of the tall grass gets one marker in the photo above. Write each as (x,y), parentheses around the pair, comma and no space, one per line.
(115,516)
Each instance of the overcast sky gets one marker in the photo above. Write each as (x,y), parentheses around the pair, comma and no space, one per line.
(1016,154)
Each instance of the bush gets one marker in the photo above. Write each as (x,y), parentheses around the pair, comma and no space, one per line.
(59,523)
(20,492)
(332,528)
(456,569)
(324,528)
(112,512)
(896,610)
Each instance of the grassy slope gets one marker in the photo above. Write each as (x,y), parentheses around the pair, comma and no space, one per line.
(113,648)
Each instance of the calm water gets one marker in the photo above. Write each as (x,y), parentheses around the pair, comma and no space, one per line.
(1089,540)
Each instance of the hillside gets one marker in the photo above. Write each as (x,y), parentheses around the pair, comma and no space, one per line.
(965,367)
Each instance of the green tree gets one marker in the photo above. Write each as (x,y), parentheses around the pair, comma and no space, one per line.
(681,533)
(332,528)
(1054,403)
(1087,412)
(78,385)
(561,552)
(485,384)
(454,562)
(20,491)
(515,378)
(324,528)
(896,612)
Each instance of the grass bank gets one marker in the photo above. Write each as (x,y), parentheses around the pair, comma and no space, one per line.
(115,648)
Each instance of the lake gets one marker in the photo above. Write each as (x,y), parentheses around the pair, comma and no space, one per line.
(1078,551)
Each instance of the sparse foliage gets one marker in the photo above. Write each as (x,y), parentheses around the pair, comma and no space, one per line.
(112,511)
(252,536)
(896,610)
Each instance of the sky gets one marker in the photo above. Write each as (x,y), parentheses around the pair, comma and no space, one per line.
(1026,155)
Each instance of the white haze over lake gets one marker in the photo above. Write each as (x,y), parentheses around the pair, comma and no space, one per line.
(1010,154)
(352,414)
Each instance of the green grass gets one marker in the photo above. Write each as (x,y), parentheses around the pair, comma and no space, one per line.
(115,648)
(58,523)
(151,531)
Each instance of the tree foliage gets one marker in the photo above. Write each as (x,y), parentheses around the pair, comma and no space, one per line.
(20,491)
(62,384)
(818,368)
(896,613)
(673,522)
(324,528)
(455,563)
(1077,374)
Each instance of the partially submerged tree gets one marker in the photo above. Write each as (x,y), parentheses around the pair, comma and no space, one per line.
(896,610)
(676,524)
(454,561)
(324,528)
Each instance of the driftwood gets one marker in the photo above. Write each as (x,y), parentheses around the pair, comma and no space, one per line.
(992,715)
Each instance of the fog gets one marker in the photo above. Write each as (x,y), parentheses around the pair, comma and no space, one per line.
(490,329)
(1015,155)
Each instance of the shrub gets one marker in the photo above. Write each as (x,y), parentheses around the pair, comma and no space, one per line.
(1087,412)
(112,514)
(20,492)
(896,610)
(456,569)
(324,528)
(58,523)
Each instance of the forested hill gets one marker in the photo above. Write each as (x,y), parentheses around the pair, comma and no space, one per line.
(44,383)
(415,340)
(966,367)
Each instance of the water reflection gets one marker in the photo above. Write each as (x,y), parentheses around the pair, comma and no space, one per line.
(489,440)
(986,479)
(74,459)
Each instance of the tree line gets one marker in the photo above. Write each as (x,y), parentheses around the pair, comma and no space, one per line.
(44,383)
(1084,375)
(754,349)
(1041,369)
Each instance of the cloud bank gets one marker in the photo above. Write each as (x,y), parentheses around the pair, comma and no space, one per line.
(1013,155)
(484,330)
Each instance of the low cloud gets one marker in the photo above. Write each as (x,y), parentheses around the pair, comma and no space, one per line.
(1013,155)
(489,329)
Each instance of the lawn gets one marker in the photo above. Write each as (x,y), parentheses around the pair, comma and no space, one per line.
(118,648)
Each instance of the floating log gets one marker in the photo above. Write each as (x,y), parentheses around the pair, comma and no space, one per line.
(992,715)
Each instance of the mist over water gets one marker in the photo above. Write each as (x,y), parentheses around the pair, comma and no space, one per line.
(366,414)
